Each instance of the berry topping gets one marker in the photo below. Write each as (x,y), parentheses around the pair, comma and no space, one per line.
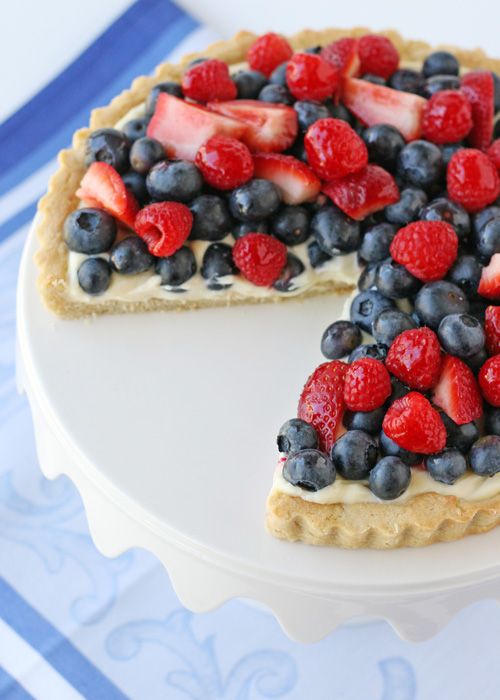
(461,335)
(209,80)
(367,385)
(389,478)
(164,226)
(145,152)
(438,299)
(368,421)
(102,187)
(489,284)
(366,306)
(176,269)
(420,163)
(377,104)
(415,425)
(457,391)
(310,77)
(415,358)
(249,83)
(447,466)
(489,380)
(447,117)
(312,470)
(130,256)
(408,207)
(443,209)
(179,181)
(296,181)
(394,281)
(169,87)
(89,231)
(364,192)
(267,52)
(384,142)
(108,146)
(322,401)
(472,179)
(478,87)
(340,339)
(485,456)
(212,220)
(493,153)
(355,454)
(377,55)
(225,163)
(334,149)
(295,435)
(343,54)
(334,232)
(426,248)
(290,225)
(492,329)
(218,262)
(390,448)
(260,258)
(255,200)
(94,275)
(440,63)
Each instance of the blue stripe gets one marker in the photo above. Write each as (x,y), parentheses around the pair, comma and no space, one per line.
(58,651)
(10,689)
(20,218)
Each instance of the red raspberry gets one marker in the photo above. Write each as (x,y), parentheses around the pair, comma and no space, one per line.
(343,54)
(378,55)
(493,153)
(415,425)
(260,258)
(207,81)
(457,391)
(225,163)
(164,226)
(321,402)
(367,385)
(363,193)
(447,117)
(267,52)
(479,89)
(489,380)
(472,179)
(415,358)
(426,248)
(492,329)
(310,77)
(334,149)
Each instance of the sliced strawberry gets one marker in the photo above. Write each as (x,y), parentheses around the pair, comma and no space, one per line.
(377,104)
(363,193)
(479,89)
(457,391)
(492,329)
(270,127)
(343,54)
(295,179)
(103,187)
(489,284)
(182,127)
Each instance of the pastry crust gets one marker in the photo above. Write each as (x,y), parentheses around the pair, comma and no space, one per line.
(60,200)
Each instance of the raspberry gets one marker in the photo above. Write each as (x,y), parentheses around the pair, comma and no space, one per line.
(334,149)
(225,163)
(472,179)
(447,117)
(493,153)
(164,226)
(321,402)
(267,52)
(367,385)
(492,329)
(207,81)
(260,258)
(363,193)
(426,248)
(343,55)
(378,55)
(489,380)
(479,89)
(415,425)
(415,358)
(457,392)
(310,77)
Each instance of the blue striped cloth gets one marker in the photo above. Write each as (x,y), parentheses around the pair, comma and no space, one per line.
(76,625)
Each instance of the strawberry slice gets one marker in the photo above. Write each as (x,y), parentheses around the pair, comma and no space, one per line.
(492,329)
(294,178)
(343,55)
(363,193)
(182,127)
(457,391)
(103,187)
(489,284)
(377,104)
(479,89)
(270,127)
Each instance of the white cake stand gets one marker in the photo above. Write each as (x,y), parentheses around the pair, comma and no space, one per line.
(166,423)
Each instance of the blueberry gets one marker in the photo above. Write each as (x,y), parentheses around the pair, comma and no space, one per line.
(197,61)
(476,361)
(485,455)
(108,146)
(438,83)
(242,228)
(496,87)
(374,79)
(314,49)
(309,112)
(277,94)
(179,181)
(89,231)
(338,111)
(398,391)
(384,143)
(255,200)
(291,225)
(136,184)
(211,218)
(136,128)
(354,454)
(389,447)
(366,306)
(408,207)
(177,268)
(439,299)
(293,268)
(485,216)
(218,262)
(394,281)
(296,435)
(496,129)
(94,275)
(487,240)
(278,76)
(459,437)
(492,421)
(478,308)
(389,478)
(317,256)
(312,470)
(339,339)
(391,323)
(297,149)
(440,63)
(169,87)
(407,80)
(376,351)
(130,256)
(249,83)
(366,280)
(334,231)
(446,466)
(448,150)
(145,152)
(443,209)
(420,163)
(466,273)
(368,421)
(461,335)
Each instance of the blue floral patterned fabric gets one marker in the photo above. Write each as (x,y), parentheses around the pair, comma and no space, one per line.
(74,624)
